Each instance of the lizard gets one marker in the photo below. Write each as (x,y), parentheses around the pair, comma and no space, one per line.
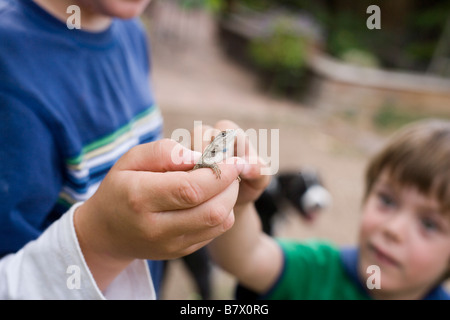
(221,147)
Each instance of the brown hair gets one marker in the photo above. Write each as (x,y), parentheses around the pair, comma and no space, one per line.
(417,155)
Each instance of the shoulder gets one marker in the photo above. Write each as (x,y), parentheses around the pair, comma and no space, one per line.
(133,25)
(308,268)
(318,250)
(18,33)
(439,293)
(132,29)
(312,258)
(11,18)
(132,36)
(6,7)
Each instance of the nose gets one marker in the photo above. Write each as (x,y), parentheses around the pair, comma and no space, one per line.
(396,227)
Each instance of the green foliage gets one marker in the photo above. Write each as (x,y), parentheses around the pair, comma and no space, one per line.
(391,117)
(360,58)
(213,5)
(282,50)
(350,42)
(258,5)
(282,56)
(426,26)
(431,18)
(421,50)
(410,45)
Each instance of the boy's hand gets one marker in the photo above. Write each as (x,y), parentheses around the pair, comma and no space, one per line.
(253,183)
(147,207)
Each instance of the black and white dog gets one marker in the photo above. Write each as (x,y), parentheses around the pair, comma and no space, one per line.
(303,190)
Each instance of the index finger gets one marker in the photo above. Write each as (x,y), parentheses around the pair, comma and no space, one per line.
(181,190)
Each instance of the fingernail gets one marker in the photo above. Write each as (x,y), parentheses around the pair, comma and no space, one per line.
(246,170)
(239,163)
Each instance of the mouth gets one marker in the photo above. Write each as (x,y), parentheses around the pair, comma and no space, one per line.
(382,257)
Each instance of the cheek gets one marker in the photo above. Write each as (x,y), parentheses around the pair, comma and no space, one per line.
(427,259)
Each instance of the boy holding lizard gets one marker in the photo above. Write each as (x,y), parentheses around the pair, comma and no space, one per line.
(404,231)
(87,194)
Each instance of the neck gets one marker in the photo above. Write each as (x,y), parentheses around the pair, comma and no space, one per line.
(90,19)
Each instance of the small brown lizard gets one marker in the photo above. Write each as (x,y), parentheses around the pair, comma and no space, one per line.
(220,148)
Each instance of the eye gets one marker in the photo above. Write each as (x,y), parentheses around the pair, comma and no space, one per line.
(213,152)
(429,224)
(386,200)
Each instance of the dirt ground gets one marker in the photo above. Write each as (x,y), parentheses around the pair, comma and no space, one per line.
(194,81)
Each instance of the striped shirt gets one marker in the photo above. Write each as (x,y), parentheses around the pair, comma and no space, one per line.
(71,103)
(86,170)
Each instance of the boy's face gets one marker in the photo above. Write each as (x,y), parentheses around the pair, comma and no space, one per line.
(124,9)
(405,235)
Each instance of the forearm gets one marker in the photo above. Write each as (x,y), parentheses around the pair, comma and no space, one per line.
(253,257)
(232,249)
(103,264)
(43,268)
(53,267)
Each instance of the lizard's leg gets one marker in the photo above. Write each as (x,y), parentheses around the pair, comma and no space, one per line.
(214,167)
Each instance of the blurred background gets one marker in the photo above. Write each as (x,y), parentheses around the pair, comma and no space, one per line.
(312,69)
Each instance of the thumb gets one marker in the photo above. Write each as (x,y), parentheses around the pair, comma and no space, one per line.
(158,156)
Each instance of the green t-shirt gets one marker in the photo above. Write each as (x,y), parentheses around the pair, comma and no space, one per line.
(313,270)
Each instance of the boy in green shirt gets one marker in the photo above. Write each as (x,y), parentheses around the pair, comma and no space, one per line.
(404,239)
